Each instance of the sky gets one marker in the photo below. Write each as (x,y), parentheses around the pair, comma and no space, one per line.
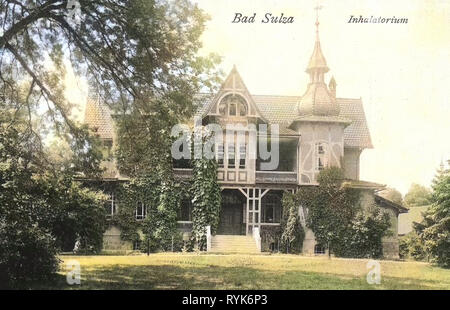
(401,71)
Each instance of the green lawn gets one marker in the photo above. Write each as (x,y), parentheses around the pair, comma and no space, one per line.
(206,271)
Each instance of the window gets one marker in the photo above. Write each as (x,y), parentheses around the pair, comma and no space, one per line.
(271,208)
(233,105)
(141,211)
(220,155)
(319,249)
(320,149)
(242,155)
(319,164)
(231,156)
(110,205)
(321,156)
(232,111)
(185,160)
(185,212)
(222,108)
(137,245)
(242,109)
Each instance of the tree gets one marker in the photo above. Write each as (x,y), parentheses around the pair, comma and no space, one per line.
(128,49)
(140,58)
(412,246)
(434,230)
(417,196)
(41,211)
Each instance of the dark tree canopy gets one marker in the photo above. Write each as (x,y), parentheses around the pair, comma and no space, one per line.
(139,56)
(434,230)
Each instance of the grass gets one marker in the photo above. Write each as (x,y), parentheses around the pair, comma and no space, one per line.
(206,271)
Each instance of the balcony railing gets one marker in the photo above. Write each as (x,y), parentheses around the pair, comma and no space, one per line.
(183,173)
(279,177)
(276,177)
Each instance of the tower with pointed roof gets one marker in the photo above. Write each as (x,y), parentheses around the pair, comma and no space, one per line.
(317,100)
(97,116)
(318,119)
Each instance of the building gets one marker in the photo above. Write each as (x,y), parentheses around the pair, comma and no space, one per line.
(315,130)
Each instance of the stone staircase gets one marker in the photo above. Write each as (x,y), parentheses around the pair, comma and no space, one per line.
(233,244)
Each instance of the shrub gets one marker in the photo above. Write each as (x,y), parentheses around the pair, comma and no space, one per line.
(270,235)
(27,254)
(363,238)
(411,246)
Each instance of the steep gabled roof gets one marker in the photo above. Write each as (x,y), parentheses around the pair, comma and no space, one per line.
(391,204)
(357,133)
(233,85)
(281,110)
(275,109)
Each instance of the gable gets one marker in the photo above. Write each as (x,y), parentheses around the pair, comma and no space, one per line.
(235,86)
(280,110)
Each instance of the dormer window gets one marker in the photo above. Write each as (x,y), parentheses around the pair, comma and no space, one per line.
(232,109)
(222,108)
(242,109)
(233,105)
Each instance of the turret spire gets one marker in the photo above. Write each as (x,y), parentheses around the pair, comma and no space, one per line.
(318,100)
(317,8)
(317,63)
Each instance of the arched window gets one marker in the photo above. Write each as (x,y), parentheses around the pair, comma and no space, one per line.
(233,105)
(242,109)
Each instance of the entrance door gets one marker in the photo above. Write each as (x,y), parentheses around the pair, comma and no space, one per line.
(231,214)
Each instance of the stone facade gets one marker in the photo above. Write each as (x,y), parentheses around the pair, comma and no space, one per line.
(113,242)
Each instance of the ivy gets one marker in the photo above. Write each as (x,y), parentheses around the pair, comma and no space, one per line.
(339,221)
(161,198)
(143,189)
(292,233)
(206,199)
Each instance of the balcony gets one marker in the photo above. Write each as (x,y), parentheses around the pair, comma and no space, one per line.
(183,173)
(277,177)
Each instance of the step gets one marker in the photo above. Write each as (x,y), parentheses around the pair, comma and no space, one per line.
(233,244)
